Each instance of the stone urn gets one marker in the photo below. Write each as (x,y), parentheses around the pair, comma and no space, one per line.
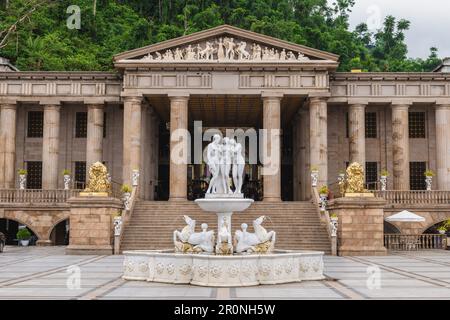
(442,231)
(22,181)
(429,182)
(67,180)
(383,182)
(314,178)
(126,200)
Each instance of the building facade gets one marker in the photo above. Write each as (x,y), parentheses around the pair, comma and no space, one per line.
(224,77)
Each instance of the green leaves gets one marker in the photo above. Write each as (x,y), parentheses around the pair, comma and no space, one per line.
(43,42)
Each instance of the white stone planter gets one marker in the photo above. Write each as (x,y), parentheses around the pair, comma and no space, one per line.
(117,226)
(442,231)
(24,243)
(22,181)
(314,178)
(429,182)
(126,200)
(323,201)
(383,182)
(223,271)
(334,219)
(67,180)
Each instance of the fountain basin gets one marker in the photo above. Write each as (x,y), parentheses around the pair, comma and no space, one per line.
(224,205)
(282,266)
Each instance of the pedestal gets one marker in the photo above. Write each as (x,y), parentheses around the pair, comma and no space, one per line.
(92,225)
(360,230)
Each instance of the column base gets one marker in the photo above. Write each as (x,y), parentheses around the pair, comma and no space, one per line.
(271,199)
(43,243)
(177,199)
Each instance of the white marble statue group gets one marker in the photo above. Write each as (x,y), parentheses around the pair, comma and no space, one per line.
(225,156)
(225,49)
(189,241)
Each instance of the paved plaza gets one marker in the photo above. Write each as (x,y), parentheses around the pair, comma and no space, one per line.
(47,273)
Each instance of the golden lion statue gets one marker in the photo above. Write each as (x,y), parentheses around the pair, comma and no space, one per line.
(355,178)
(98,178)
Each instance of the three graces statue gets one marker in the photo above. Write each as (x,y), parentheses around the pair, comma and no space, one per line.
(225,156)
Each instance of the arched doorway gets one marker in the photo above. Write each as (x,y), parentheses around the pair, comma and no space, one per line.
(60,233)
(10,228)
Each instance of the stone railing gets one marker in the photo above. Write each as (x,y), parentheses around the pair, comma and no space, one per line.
(36,195)
(325,217)
(403,242)
(415,197)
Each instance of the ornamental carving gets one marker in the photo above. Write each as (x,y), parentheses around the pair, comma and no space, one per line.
(225,50)
(355,178)
(98,178)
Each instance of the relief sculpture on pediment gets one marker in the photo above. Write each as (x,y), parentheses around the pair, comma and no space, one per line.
(225,49)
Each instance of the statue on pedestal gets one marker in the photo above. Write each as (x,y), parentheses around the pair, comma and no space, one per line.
(189,241)
(259,242)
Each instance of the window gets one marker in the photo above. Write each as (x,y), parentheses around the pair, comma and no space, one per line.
(81,125)
(80,174)
(371,124)
(416,175)
(416,124)
(35,127)
(34,175)
(104,125)
(347,125)
(371,175)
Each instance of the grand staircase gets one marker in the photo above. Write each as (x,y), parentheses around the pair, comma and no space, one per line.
(296,223)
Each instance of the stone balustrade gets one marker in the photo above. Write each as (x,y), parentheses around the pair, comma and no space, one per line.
(36,196)
(405,242)
(414,197)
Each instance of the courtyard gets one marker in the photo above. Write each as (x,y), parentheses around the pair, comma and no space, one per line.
(47,273)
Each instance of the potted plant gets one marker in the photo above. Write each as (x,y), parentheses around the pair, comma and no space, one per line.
(126,190)
(442,229)
(384,174)
(314,176)
(323,191)
(22,178)
(66,175)
(429,174)
(23,235)
(334,217)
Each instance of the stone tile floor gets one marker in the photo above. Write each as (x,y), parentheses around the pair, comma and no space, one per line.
(47,273)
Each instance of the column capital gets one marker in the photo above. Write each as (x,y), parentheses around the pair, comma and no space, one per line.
(11,106)
(95,105)
(317,99)
(442,106)
(357,105)
(52,106)
(400,106)
(271,95)
(178,95)
(133,99)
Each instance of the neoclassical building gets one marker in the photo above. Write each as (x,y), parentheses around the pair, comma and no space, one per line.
(224,77)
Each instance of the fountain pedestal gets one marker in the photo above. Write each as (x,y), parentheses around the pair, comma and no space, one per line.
(224,206)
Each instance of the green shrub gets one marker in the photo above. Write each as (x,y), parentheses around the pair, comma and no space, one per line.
(384,173)
(126,188)
(22,172)
(66,172)
(323,190)
(23,234)
(429,173)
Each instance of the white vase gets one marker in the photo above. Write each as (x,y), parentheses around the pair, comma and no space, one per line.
(126,200)
(67,182)
(22,181)
(428,182)
(24,243)
(314,178)
(383,181)
(442,231)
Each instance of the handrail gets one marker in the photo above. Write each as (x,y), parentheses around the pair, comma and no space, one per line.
(324,216)
(126,216)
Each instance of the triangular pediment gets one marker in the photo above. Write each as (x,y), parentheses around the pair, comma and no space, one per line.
(225,44)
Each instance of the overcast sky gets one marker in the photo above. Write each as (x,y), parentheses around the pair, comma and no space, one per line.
(430,21)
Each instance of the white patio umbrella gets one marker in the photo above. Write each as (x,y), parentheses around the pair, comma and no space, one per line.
(405,216)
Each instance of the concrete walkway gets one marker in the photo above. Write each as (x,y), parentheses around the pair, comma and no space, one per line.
(46,273)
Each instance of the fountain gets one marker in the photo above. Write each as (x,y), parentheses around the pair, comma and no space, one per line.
(205,259)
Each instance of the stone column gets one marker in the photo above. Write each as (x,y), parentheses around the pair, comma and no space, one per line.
(50,147)
(132,110)
(272,145)
(443,146)
(94,141)
(7,145)
(318,137)
(179,146)
(400,146)
(357,133)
